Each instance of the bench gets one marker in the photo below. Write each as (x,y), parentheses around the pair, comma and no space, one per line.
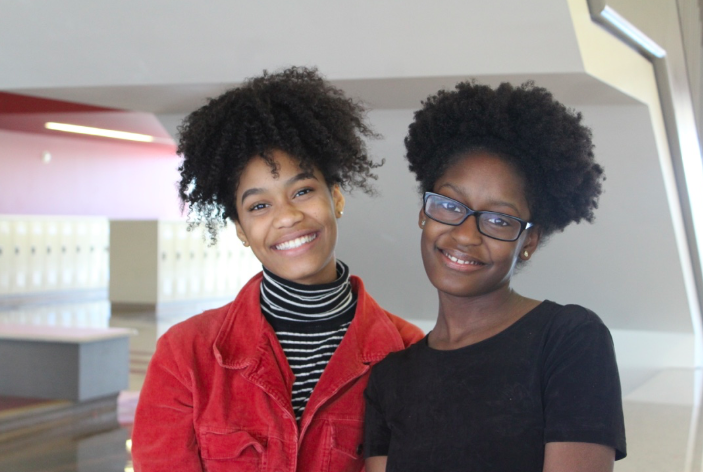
(74,364)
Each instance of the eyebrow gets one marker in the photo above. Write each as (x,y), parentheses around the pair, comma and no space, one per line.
(289,182)
(490,202)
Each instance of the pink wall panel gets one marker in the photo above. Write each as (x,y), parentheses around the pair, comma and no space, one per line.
(86,177)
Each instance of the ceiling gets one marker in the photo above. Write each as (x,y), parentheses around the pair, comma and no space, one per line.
(167,57)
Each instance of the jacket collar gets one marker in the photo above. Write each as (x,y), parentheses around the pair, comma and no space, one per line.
(245,332)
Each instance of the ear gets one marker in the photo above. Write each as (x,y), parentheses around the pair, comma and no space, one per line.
(338,200)
(531,243)
(241,234)
(422,219)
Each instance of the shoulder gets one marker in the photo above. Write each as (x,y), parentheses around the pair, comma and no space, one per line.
(395,361)
(574,332)
(408,331)
(197,331)
(573,319)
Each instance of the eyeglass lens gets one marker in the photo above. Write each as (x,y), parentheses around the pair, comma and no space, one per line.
(496,225)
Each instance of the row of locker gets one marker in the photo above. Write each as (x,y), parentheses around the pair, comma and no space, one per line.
(40,255)
(46,254)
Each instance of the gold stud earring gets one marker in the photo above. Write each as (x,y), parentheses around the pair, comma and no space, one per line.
(526,254)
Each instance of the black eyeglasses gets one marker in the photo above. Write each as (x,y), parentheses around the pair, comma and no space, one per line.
(489,223)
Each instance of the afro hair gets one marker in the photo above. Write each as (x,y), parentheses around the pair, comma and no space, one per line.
(295,111)
(542,139)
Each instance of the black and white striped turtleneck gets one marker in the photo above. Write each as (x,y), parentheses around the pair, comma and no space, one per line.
(310,322)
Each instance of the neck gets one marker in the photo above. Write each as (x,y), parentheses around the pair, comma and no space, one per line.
(467,320)
(290,305)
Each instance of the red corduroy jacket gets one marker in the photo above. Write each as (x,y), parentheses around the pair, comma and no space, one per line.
(217,394)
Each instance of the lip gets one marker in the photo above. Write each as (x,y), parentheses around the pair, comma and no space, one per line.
(463,261)
(293,236)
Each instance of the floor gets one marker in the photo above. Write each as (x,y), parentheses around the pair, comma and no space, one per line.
(662,408)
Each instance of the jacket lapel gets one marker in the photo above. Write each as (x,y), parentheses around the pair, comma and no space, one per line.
(247,343)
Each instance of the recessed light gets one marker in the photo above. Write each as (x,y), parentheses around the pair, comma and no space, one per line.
(106,133)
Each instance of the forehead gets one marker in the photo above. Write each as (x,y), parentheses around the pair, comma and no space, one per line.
(483,176)
(258,172)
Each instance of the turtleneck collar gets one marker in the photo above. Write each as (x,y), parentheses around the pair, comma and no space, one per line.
(290,305)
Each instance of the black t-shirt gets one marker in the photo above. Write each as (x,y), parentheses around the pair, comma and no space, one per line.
(493,405)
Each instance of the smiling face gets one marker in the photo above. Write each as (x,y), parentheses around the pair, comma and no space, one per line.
(459,260)
(289,220)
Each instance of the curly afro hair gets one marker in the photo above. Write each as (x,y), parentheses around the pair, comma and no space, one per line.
(542,139)
(295,111)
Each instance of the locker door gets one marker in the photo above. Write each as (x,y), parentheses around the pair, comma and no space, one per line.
(67,255)
(52,249)
(104,248)
(37,255)
(94,254)
(82,248)
(208,267)
(225,264)
(20,237)
(196,258)
(6,257)
(181,261)
(167,261)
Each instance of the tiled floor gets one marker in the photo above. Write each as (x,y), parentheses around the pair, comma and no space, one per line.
(662,408)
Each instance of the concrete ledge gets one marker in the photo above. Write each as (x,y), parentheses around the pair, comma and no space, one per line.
(63,363)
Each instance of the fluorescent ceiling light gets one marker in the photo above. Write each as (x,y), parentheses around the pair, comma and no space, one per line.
(106,133)
(631,31)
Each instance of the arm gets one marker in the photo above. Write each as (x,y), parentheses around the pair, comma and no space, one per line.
(376,464)
(163,437)
(584,426)
(573,457)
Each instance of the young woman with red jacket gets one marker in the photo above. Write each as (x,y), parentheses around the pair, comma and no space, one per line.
(274,380)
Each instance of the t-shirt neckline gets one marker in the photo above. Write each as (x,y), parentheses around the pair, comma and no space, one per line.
(531,313)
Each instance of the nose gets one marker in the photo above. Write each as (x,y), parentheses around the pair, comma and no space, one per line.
(467,233)
(287,215)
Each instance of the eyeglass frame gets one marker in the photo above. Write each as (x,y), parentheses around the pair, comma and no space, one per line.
(469,212)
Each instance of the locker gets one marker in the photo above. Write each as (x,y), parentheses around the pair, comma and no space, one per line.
(95,254)
(36,255)
(6,257)
(196,257)
(181,265)
(20,242)
(82,254)
(105,255)
(67,255)
(52,244)
(167,267)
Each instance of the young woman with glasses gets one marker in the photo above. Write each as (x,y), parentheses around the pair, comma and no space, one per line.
(503,382)
(274,380)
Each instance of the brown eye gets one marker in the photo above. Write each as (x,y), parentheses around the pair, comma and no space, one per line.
(258,206)
(302,192)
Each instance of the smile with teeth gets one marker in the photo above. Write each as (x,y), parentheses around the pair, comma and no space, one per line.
(297,242)
(460,261)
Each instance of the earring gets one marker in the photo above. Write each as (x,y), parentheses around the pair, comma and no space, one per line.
(341,212)
(423,222)
(245,244)
(526,254)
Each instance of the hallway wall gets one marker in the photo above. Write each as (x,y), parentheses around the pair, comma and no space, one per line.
(85,177)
